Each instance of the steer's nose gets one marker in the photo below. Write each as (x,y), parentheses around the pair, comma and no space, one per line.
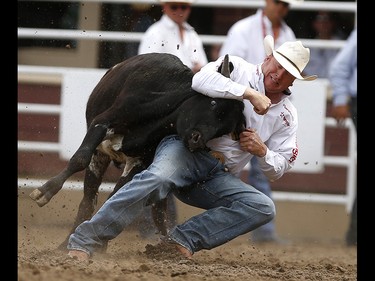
(195,141)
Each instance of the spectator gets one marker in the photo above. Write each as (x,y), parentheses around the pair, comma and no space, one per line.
(324,26)
(231,206)
(173,34)
(244,39)
(343,79)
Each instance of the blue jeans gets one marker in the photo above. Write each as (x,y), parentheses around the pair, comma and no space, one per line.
(232,207)
(257,179)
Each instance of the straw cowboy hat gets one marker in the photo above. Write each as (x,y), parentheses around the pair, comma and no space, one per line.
(177,1)
(293,56)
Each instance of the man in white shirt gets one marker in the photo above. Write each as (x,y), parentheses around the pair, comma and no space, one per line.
(244,39)
(174,35)
(232,207)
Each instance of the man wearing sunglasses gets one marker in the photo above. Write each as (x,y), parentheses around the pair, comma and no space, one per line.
(244,39)
(172,34)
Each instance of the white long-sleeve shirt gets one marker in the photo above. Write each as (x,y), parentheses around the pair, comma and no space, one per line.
(164,37)
(277,128)
(245,37)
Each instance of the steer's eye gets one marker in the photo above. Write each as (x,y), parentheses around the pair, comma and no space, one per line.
(213,103)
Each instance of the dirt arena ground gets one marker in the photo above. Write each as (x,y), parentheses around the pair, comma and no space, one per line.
(41,230)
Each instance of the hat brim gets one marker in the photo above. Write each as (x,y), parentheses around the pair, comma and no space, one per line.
(269,44)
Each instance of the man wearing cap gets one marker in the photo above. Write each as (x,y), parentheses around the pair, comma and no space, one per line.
(174,35)
(244,39)
(232,207)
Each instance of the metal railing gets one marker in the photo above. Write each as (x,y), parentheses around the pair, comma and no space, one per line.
(333,6)
(303,5)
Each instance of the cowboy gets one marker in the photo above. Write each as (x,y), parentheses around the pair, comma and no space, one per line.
(232,207)
(269,19)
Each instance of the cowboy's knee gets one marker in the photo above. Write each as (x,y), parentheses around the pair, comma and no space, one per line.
(267,209)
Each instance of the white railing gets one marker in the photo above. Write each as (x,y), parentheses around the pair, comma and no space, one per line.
(303,5)
(122,36)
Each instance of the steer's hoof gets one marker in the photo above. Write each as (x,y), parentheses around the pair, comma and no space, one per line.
(35,194)
(38,197)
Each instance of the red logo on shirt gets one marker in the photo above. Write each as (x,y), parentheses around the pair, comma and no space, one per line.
(285,121)
(294,156)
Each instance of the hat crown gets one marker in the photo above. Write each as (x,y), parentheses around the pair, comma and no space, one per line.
(295,53)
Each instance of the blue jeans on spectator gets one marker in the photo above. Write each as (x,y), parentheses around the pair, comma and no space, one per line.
(232,207)
(257,179)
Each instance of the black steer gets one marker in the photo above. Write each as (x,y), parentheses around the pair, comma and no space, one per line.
(134,105)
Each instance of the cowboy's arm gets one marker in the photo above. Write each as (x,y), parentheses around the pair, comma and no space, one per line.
(210,82)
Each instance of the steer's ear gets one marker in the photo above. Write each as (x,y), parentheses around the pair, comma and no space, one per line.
(226,67)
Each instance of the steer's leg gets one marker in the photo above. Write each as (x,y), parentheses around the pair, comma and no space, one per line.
(159,209)
(93,178)
(159,215)
(79,161)
(129,172)
(132,167)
